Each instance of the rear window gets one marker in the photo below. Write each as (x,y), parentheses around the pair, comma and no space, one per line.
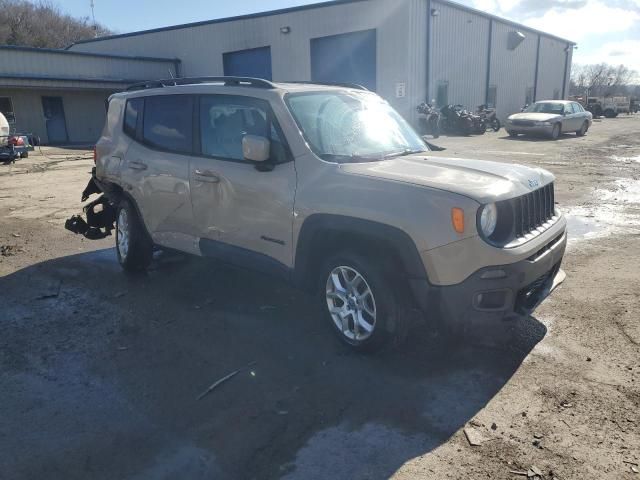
(131,116)
(168,123)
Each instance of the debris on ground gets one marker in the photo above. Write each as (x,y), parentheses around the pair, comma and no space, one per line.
(10,250)
(474,437)
(217,383)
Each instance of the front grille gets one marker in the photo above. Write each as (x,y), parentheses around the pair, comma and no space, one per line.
(524,123)
(533,210)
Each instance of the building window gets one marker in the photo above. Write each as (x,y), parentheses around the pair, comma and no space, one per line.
(168,123)
(528,96)
(442,98)
(492,96)
(6,108)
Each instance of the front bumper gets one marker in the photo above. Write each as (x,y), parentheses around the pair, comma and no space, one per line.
(496,293)
(530,130)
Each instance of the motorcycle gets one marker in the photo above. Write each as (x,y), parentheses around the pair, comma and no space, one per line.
(429,119)
(455,119)
(489,118)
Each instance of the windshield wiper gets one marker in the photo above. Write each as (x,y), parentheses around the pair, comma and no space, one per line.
(406,151)
(353,158)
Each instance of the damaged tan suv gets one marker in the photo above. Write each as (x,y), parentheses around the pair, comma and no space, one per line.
(328,187)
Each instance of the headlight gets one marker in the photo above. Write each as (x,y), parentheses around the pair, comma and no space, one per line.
(488,219)
(542,124)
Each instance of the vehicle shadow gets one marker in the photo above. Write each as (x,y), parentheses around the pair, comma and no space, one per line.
(106,369)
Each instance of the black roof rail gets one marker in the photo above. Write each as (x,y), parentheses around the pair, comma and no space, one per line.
(355,86)
(228,81)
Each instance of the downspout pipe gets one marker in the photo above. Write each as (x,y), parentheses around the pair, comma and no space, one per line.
(489,47)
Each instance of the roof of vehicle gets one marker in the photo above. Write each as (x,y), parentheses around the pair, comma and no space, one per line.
(175,85)
(563,102)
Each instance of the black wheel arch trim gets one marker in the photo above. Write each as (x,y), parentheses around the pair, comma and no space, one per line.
(319,224)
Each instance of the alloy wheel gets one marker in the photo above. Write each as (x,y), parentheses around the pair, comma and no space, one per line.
(351,303)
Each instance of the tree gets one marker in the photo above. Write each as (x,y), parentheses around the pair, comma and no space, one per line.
(42,24)
(601,79)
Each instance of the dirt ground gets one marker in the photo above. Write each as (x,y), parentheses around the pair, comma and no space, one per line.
(100,371)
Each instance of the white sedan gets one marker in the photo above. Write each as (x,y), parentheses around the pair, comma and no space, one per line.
(550,118)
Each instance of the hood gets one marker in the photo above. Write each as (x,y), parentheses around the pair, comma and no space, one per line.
(480,180)
(536,117)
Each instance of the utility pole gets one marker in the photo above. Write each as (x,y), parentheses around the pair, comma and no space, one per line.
(95,25)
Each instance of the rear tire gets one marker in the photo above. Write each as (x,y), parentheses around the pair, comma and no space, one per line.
(609,113)
(583,130)
(496,125)
(133,245)
(360,302)
(555,133)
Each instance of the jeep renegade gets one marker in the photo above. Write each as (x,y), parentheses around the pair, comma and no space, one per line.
(328,187)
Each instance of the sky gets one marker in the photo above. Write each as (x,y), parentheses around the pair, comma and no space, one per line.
(605,30)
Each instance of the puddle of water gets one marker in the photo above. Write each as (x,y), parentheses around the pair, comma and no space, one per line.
(613,211)
(626,159)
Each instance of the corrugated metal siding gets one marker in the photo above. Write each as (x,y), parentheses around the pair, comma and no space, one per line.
(551,69)
(67,65)
(512,71)
(459,50)
(400,42)
(459,54)
(84,112)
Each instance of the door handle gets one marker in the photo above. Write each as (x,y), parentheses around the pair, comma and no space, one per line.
(207,175)
(137,166)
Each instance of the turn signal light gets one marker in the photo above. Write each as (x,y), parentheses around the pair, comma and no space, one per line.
(457,219)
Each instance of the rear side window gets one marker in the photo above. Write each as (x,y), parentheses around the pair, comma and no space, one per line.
(168,123)
(131,112)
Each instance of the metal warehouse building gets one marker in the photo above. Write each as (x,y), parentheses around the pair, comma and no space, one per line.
(408,51)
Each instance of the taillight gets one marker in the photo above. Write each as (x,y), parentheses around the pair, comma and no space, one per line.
(95,155)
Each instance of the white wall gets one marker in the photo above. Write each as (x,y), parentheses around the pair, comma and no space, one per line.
(84,112)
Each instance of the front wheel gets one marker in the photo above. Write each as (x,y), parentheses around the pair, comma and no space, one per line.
(555,133)
(583,130)
(133,245)
(512,134)
(495,124)
(361,302)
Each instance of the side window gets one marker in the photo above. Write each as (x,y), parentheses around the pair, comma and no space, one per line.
(225,120)
(131,112)
(168,123)
(578,108)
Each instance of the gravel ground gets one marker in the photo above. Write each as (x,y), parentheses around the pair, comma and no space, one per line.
(99,371)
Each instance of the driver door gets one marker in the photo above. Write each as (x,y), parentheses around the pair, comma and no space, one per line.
(243,211)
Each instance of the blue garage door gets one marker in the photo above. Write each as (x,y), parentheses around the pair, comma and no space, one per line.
(255,62)
(349,57)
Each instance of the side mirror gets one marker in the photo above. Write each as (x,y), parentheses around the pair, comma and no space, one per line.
(255,148)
